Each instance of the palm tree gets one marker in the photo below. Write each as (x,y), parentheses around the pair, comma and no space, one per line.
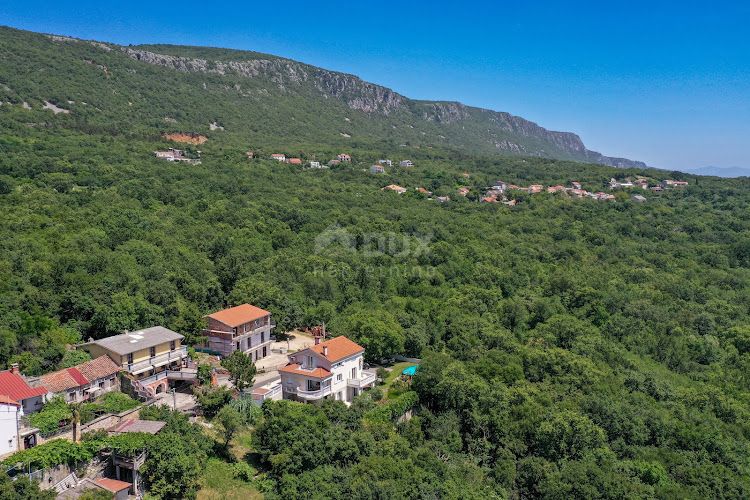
(75,417)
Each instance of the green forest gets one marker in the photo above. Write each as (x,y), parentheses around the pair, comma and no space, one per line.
(571,348)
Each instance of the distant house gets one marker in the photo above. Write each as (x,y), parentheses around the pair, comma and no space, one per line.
(657,189)
(578,193)
(510,203)
(423,191)
(394,187)
(278,157)
(641,182)
(333,369)
(615,184)
(535,188)
(387,163)
(405,163)
(173,154)
(575,184)
(499,186)
(669,183)
(314,164)
(377,169)
(333,163)
(84,381)
(15,388)
(443,199)
(243,328)
(604,196)
(463,191)
(250,154)
(294,161)
(639,198)
(344,157)
(555,189)
(489,199)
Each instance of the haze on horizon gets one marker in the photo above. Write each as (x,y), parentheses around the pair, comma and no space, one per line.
(668,84)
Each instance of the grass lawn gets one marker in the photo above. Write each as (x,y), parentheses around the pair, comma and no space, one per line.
(218,482)
(393,375)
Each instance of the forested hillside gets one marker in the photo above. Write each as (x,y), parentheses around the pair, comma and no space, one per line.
(571,348)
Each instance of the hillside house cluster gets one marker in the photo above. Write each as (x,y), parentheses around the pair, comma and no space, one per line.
(643,183)
(174,154)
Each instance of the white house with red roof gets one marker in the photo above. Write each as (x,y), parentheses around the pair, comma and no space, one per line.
(14,387)
(333,369)
(243,328)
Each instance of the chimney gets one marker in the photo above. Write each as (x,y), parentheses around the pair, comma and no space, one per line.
(317,340)
(325,350)
(14,368)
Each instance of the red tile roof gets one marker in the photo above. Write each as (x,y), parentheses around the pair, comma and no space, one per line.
(338,348)
(16,388)
(297,369)
(97,368)
(79,375)
(295,161)
(6,400)
(239,315)
(112,485)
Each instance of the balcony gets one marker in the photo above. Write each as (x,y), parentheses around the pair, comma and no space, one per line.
(365,379)
(186,374)
(162,359)
(310,395)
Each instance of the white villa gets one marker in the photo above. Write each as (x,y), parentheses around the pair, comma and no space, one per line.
(328,370)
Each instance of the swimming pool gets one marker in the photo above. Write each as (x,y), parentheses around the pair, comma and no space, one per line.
(409,371)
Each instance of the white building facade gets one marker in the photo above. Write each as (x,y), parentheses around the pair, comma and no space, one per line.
(333,369)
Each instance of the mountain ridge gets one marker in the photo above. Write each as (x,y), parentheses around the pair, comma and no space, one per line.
(274,90)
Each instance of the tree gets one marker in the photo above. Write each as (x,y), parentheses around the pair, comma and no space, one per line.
(229,422)
(376,330)
(173,468)
(212,399)
(241,369)
(75,418)
(204,373)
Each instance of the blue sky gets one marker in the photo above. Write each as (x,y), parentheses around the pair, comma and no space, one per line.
(663,82)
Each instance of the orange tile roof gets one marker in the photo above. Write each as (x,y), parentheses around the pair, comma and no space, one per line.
(97,368)
(239,315)
(79,375)
(338,348)
(297,369)
(112,485)
(8,401)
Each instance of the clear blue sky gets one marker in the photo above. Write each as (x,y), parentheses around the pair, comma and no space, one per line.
(664,82)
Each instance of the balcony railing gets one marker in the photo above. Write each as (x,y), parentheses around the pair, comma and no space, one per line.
(305,394)
(365,379)
(170,374)
(168,357)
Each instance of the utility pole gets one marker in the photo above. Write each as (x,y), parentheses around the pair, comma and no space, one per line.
(174,398)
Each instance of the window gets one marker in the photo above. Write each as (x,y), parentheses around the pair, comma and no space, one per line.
(313,385)
(172,345)
(339,377)
(152,351)
(234,331)
(101,384)
(238,346)
(354,373)
(309,362)
(71,396)
(130,358)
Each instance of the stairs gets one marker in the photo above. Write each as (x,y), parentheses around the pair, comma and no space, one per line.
(69,481)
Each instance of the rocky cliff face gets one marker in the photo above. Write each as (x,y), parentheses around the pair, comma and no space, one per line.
(505,132)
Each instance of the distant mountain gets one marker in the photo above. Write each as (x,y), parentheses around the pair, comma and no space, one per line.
(719,171)
(264,99)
